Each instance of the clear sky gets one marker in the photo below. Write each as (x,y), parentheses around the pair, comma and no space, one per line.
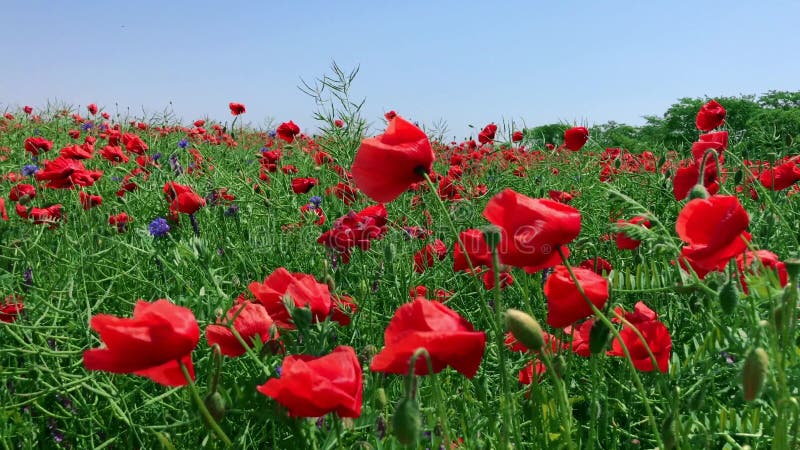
(462,61)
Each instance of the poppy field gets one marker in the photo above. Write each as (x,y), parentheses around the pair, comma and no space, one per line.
(212,285)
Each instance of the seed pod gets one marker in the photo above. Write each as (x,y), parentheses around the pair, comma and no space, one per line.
(728,297)
(754,373)
(525,329)
(406,421)
(598,337)
(698,191)
(380,398)
(491,234)
(216,405)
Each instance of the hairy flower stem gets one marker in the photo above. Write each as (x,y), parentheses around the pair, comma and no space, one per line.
(563,396)
(506,400)
(634,374)
(202,407)
(439,398)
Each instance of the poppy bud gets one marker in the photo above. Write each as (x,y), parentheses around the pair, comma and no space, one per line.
(331,284)
(668,432)
(216,405)
(380,398)
(406,422)
(598,337)
(728,297)
(525,329)
(698,191)
(754,373)
(491,234)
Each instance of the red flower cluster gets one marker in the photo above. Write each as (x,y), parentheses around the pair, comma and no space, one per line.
(182,199)
(355,230)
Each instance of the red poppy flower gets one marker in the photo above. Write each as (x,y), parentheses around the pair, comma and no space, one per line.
(597,265)
(516,136)
(314,386)
(303,289)
(657,338)
(425,257)
(150,344)
(746,265)
(390,115)
(120,221)
(487,134)
(11,308)
(565,305)
(580,337)
(623,241)
(199,123)
(182,198)
(251,322)
(449,339)
(303,185)
(343,308)
(386,165)
(133,143)
(477,250)
(34,145)
(532,229)
(560,196)
(687,177)
(50,216)
(714,229)
(22,193)
(575,138)
(65,173)
(27,109)
(3,212)
(710,116)
(114,154)
(781,176)
(236,109)
(526,374)
(92,108)
(77,151)
(287,131)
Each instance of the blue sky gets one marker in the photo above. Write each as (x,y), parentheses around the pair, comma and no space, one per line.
(461,61)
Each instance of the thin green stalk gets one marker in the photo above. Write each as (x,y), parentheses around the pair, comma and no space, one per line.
(202,407)
(506,401)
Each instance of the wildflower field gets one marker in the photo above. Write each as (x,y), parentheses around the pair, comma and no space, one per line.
(211,285)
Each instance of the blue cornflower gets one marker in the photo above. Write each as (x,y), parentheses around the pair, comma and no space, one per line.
(316,200)
(157,156)
(87,126)
(264,149)
(159,227)
(29,169)
(183,143)
(272,133)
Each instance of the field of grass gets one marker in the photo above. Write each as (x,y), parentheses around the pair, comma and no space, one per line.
(724,373)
